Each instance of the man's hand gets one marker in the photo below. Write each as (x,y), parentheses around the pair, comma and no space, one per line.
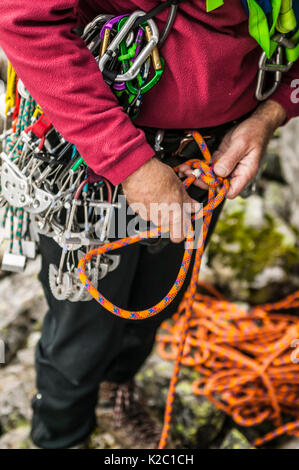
(239,154)
(157,183)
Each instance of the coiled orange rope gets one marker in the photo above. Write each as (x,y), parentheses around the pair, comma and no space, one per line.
(246,360)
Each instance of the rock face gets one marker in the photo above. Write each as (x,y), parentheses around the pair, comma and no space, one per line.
(290,165)
(196,421)
(235,440)
(21,308)
(3,65)
(255,249)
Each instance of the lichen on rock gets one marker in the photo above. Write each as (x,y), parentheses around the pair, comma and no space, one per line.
(235,440)
(250,240)
(196,421)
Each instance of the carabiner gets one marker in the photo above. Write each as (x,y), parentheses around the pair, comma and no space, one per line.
(274,65)
(106,32)
(144,85)
(141,58)
(264,68)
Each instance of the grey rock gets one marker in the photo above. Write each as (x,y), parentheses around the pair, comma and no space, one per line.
(17,386)
(290,165)
(18,438)
(235,440)
(253,253)
(276,197)
(291,443)
(3,65)
(104,440)
(16,389)
(273,170)
(196,422)
(22,307)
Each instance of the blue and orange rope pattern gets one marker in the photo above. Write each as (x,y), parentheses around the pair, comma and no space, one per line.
(218,188)
(243,358)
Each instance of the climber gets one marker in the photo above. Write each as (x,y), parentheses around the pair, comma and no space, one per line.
(209,84)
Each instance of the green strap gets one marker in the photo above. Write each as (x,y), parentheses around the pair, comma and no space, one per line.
(258,26)
(287,20)
(213,4)
(284,21)
(293,54)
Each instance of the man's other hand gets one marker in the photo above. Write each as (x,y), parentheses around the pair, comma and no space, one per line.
(157,194)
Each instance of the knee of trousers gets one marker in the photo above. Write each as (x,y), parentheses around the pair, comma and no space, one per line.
(63,413)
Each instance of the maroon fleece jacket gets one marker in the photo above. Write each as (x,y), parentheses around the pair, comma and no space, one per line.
(210,76)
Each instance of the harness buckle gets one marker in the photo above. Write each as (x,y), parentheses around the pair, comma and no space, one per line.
(159,150)
(183,144)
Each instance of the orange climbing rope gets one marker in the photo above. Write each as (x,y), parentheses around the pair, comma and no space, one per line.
(247,360)
(243,358)
(218,188)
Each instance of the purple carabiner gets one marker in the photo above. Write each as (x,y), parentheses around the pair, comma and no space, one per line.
(110,24)
(138,41)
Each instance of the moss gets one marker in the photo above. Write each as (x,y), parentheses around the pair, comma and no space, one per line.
(15,421)
(196,420)
(235,440)
(248,250)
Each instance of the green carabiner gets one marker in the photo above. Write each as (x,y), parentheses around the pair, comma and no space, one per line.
(126,55)
(148,85)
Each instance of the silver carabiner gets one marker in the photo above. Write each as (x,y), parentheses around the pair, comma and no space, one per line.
(141,58)
(264,68)
(274,65)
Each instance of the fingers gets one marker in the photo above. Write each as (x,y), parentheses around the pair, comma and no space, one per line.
(228,158)
(176,227)
(185,171)
(180,219)
(244,173)
(177,217)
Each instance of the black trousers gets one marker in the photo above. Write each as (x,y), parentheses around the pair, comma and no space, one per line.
(82,344)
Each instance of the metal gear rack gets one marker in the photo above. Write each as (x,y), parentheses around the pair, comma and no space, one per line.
(46,187)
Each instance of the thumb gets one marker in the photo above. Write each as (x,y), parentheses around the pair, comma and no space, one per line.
(227,160)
